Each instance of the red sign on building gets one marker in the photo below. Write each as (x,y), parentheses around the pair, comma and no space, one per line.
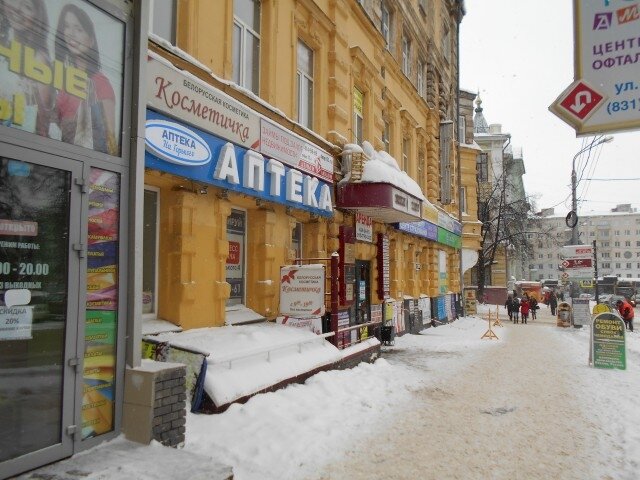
(581,100)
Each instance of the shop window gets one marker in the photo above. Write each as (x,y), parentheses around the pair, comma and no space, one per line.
(358,116)
(246,44)
(305,85)
(296,240)
(162,21)
(150,242)
(236,235)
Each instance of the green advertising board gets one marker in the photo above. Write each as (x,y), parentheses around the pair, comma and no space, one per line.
(608,342)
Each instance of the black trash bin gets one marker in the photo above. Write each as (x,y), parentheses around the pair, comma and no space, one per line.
(388,335)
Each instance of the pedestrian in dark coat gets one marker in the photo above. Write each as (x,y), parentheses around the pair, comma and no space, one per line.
(515,308)
(533,304)
(553,302)
(507,305)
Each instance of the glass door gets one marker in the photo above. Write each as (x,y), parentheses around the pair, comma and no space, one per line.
(39,303)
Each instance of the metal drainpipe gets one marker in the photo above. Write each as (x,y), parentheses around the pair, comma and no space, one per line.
(459,175)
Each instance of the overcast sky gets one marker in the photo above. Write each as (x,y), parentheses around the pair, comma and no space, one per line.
(519,56)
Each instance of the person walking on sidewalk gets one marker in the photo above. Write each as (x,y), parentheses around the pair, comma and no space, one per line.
(524,309)
(533,305)
(553,302)
(508,306)
(515,308)
(626,312)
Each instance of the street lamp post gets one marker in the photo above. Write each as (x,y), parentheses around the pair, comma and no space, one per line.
(574,183)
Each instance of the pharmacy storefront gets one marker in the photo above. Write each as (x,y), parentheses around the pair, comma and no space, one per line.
(228,195)
(64,165)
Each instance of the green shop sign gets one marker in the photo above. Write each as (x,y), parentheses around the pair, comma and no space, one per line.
(608,342)
(448,238)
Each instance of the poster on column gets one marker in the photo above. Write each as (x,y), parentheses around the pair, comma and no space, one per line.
(102,303)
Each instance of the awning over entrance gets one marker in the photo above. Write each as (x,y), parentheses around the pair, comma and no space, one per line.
(383,202)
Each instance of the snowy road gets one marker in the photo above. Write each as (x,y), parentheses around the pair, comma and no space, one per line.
(530,408)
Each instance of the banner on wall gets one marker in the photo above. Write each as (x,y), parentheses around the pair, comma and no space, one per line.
(302,290)
(57,87)
(102,303)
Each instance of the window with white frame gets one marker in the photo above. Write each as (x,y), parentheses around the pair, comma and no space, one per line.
(305,85)
(406,55)
(385,24)
(421,84)
(386,134)
(462,127)
(463,199)
(246,44)
(406,152)
(162,21)
(358,116)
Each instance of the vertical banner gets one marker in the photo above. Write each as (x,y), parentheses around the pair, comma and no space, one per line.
(443,280)
(102,303)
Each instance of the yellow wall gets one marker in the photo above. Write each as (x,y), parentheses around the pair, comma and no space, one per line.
(348,52)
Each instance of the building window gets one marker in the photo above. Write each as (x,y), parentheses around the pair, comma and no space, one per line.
(421,84)
(463,199)
(616,244)
(358,116)
(617,265)
(406,55)
(446,136)
(150,230)
(446,45)
(482,167)
(305,85)
(385,24)
(386,134)
(628,266)
(236,236)
(406,153)
(296,240)
(627,243)
(163,19)
(462,127)
(246,44)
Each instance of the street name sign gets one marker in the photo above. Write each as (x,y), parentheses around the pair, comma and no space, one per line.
(605,96)
(578,261)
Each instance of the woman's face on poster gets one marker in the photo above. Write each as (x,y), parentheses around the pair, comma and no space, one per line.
(21,14)
(76,37)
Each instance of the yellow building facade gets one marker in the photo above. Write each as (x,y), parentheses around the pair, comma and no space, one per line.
(306,81)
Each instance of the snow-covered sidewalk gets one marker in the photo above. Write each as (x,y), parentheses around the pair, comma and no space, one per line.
(443,404)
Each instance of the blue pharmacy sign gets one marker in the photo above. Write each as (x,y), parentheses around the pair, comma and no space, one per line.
(191,153)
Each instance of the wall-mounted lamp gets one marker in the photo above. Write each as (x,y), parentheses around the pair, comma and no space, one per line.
(203,190)
(287,210)
(224,193)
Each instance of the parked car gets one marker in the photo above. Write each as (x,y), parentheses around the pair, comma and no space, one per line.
(605,298)
(588,296)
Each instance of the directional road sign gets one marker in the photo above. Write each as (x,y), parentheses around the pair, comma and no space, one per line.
(604,96)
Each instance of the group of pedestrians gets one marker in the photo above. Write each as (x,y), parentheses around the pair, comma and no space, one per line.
(520,308)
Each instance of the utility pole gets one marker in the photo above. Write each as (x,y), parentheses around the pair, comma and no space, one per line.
(595,267)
